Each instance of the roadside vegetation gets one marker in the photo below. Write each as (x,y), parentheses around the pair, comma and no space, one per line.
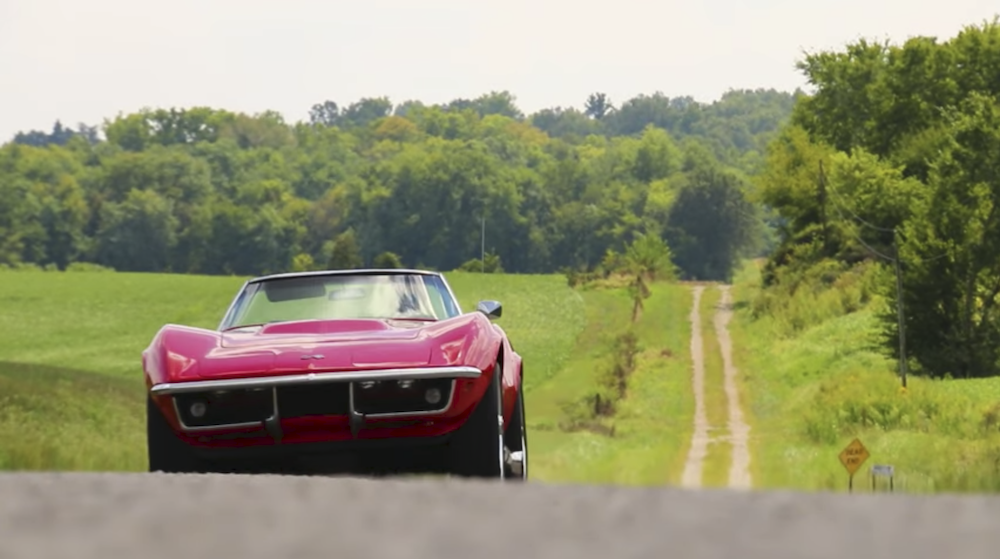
(812,388)
(892,159)
(635,438)
(620,410)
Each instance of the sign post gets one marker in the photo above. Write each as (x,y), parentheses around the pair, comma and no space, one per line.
(852,457)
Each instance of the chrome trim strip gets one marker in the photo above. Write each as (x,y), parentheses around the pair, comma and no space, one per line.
(454,298)
(307,378)
(276,416)
(232,305)
(347,272)
(189,429)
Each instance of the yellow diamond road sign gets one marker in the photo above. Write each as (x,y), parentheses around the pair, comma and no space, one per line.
(853,456)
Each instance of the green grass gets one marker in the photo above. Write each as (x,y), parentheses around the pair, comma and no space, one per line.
(64,419)
(810,391)
(101,322)
(652,426)
(715,472)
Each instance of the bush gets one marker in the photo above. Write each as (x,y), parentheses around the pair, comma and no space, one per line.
(801,297)
(387,260)
(492,265)
(21,267)
(585,413)
(303,263)
(88,267)
(843,406)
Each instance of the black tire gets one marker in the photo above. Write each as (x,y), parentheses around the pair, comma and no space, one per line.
(477,448)
(516,439)
(165,451)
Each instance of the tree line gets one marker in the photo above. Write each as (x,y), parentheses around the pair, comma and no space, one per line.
(205,190)
(895,159)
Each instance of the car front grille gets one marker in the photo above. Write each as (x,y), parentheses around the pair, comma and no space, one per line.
(254,406)
(304,400)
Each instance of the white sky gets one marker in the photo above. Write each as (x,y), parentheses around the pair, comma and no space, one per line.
(85,60)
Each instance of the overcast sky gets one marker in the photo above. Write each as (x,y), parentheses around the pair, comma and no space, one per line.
(85,60)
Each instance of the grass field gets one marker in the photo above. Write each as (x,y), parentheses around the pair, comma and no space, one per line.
(809,394)
(652,426)
(71,391)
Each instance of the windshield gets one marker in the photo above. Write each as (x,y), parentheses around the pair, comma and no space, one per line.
(405,296)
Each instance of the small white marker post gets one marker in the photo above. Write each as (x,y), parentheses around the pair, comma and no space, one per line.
(881,470)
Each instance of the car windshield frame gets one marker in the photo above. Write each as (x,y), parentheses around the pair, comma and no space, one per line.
(428,296)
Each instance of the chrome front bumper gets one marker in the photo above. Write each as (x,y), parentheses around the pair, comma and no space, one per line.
(272,424)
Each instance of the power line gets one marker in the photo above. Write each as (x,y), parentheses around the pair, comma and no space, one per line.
(841,206)
(900,312)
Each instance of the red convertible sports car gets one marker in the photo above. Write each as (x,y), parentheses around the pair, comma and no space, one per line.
(352,371)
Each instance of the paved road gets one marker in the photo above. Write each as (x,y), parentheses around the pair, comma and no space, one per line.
(84,516)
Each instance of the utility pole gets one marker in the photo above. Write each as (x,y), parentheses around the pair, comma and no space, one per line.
(482,245)
(899,309)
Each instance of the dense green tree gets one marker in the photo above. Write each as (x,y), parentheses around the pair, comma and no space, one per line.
(711,225)
(387,259)
(345,253)
(219,192)
(899,150)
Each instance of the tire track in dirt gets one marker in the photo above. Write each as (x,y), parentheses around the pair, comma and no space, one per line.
(739,431)
(699,437)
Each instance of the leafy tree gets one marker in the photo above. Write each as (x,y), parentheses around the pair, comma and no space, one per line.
(951,252)
(240,193)
(897,151)
(138,233)
(345,254)
(387,260)
(711,225)
(646,258)
(326,113)
(598,106)
(303,263)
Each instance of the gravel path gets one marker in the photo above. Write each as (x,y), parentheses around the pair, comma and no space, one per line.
(104,516)
(699,438)
(739,431)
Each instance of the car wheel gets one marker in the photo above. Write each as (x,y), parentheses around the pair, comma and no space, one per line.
(166,452)
(478,447)
(516,442)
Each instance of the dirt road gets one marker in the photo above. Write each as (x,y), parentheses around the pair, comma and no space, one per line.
(739,431)
(739,472)
(105,516)
(699,438)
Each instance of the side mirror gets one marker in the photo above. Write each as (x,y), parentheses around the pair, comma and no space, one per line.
(491,309)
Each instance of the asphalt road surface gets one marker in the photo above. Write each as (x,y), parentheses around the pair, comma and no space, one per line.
(152,516)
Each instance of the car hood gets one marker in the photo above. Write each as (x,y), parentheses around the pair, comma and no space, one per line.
(311,332)
(188,353)
(322,345)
